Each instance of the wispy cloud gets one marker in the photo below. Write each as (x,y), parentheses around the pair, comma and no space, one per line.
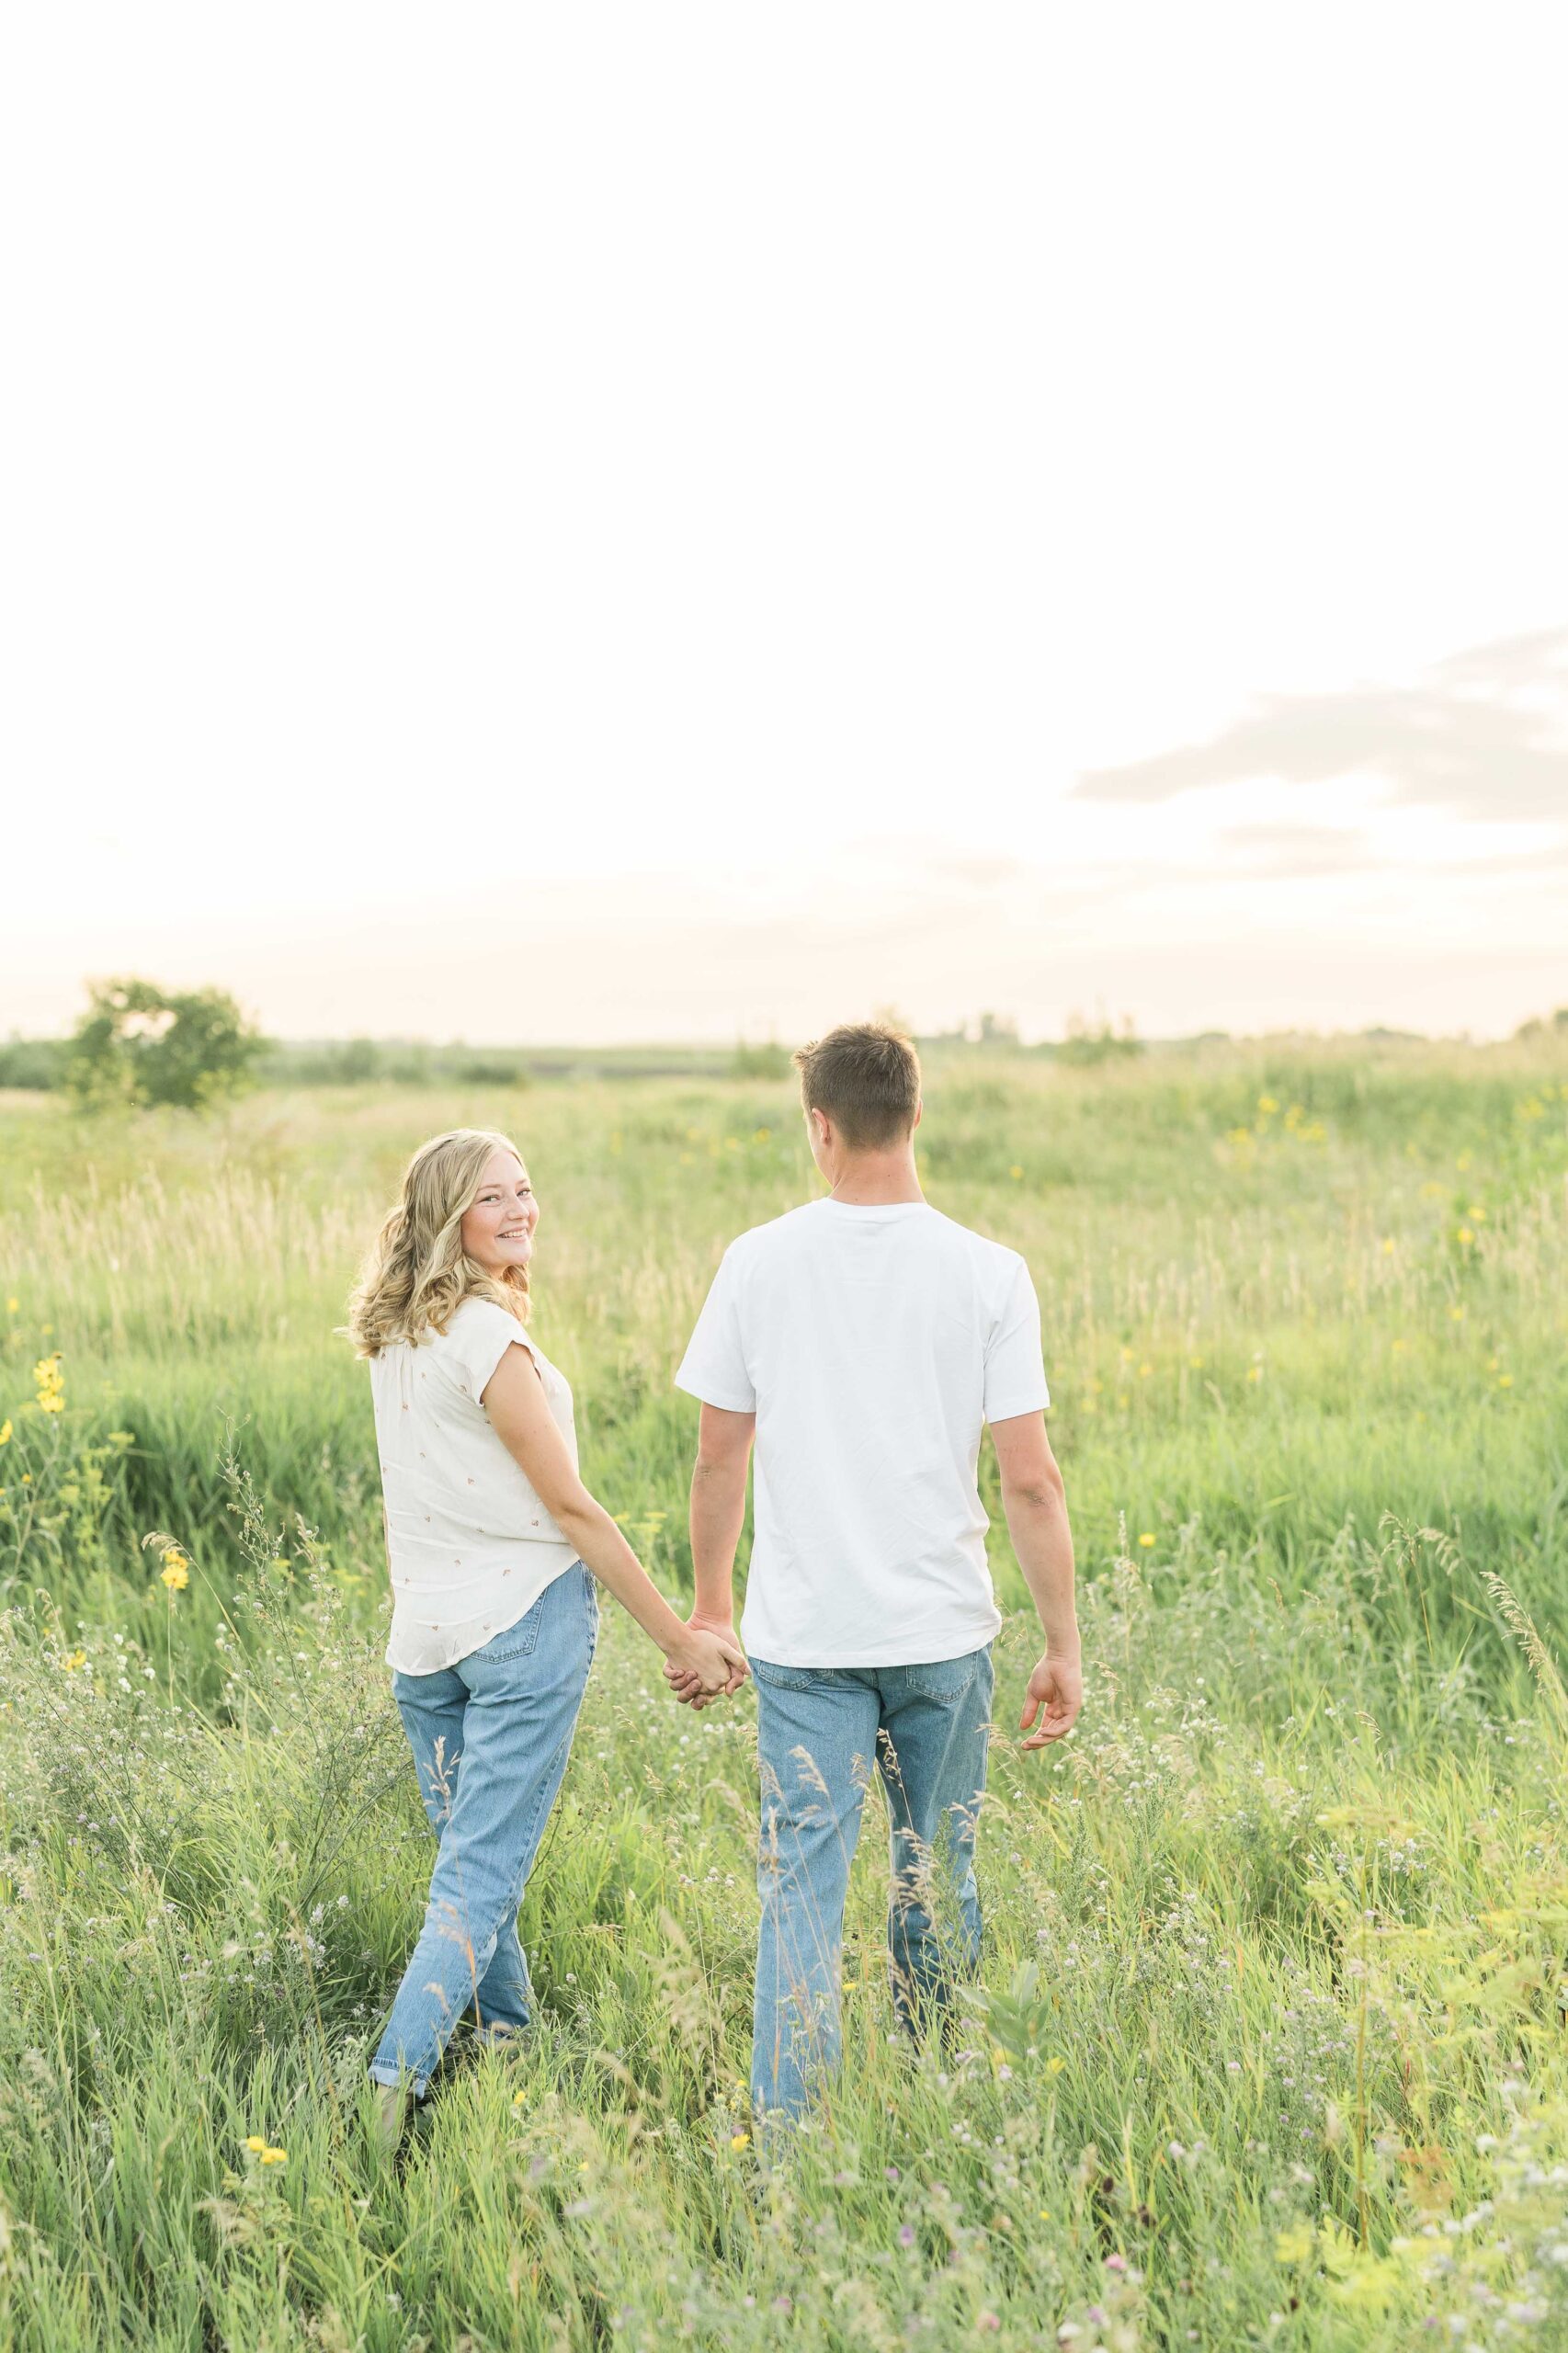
(1484,735)
(1297,853)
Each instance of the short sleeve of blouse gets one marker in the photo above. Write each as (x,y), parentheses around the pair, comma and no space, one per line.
(475,1342)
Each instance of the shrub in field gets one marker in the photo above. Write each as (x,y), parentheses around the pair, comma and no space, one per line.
(138,1044)
(769,1061)
(32,1063)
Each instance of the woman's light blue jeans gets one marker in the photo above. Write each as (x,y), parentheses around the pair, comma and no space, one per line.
(821,1732)
(490,1737)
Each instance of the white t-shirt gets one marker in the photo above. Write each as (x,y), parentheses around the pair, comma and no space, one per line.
(472,1546)
(872,1344)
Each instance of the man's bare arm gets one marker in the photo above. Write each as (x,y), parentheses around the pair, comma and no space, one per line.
(1034,1502)
(718,1514)
(719,1508)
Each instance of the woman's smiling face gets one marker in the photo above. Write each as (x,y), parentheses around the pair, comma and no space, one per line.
(499,1224)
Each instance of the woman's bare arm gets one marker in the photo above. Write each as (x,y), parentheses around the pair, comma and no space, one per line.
(519,1414)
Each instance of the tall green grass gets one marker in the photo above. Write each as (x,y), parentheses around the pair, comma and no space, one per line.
(1270,2047)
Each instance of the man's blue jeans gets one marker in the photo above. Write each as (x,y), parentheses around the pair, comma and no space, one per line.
(821,1732)
(490,1737)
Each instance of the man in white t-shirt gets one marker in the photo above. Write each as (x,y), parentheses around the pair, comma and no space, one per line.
(862,1342)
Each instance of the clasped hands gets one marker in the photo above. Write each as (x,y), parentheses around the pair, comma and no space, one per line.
(710,1664)
(707,1665)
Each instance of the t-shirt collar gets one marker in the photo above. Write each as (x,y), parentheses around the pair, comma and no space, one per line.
(870,1209)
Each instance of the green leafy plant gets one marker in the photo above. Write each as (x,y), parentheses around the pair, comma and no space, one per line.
(140,1044)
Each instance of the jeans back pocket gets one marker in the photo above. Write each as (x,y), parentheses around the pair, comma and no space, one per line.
(516,1641)
(946,1680)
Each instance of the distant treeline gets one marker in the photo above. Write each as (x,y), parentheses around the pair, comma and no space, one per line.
(43,1063)
(48,1063)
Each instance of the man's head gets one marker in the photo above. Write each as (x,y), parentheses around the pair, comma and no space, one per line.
(863,1080)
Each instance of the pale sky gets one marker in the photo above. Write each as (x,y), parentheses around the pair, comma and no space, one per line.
(538,523)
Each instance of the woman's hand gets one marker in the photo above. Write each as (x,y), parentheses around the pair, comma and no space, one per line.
(706,1662)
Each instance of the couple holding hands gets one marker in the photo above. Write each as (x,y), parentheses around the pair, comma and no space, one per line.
(858,1345)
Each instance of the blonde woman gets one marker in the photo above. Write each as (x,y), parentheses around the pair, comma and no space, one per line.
(493,1544)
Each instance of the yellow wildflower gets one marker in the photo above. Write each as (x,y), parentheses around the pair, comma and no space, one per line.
(1255,1372)
(1014,1172)
(73,1659)
(176,1571)
(1147,1540)
(274,2157)
(256,2144)
(1144,1371)
(1196,1363)
(11,1305)
(1054,2066)
(1456,1315)
(5,1433)
(51,1384)
(1294,2246)
(1504,1380)
(739,2141)
(1466,1236)
(1267,1104)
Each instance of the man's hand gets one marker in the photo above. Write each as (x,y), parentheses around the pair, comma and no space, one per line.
(1057,1687)
(685,1685)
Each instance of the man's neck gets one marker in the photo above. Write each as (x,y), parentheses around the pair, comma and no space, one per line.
(876,1179)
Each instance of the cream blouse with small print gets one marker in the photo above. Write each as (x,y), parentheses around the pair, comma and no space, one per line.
(470,1545)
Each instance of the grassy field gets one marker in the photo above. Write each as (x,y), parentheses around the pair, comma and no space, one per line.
(1271,2047)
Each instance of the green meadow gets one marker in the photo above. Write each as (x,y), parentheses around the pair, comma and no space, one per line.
(1272,2042)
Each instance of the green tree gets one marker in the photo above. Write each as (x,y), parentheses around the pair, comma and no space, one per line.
(138,1044)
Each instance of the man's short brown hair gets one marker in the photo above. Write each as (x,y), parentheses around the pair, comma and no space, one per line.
(866,1077)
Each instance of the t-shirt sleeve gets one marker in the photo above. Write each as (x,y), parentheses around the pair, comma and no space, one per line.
(1015,1367)
(476,1339)
(714,1366)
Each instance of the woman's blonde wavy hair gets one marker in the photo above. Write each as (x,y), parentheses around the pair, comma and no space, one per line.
(416,1271)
